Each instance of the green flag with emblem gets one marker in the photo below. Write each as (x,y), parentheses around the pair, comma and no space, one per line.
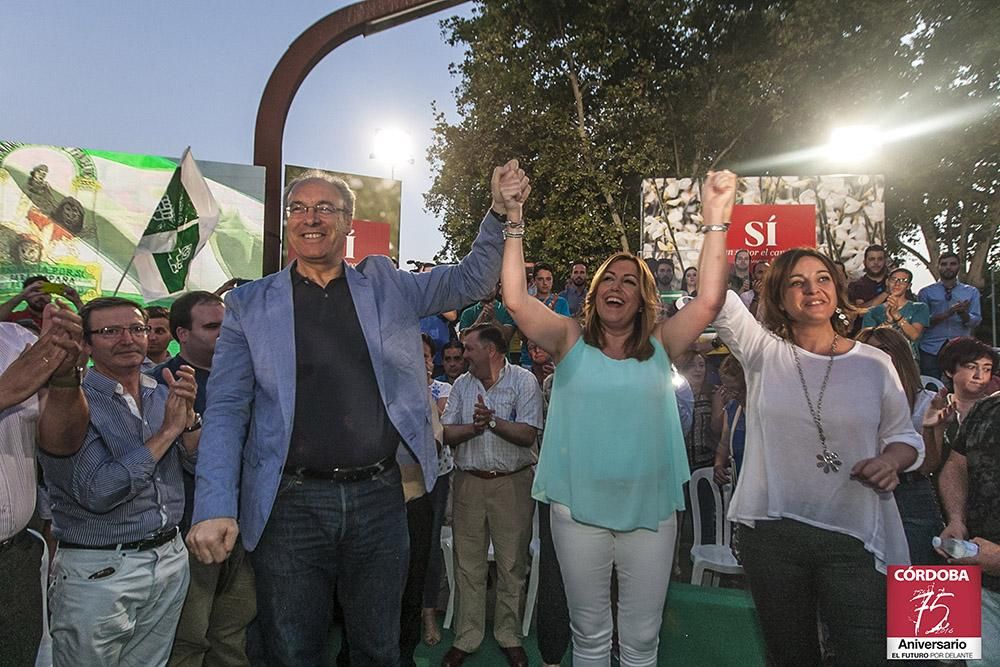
(179,228)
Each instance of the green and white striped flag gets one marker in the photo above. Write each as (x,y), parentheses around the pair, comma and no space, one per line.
(181,225)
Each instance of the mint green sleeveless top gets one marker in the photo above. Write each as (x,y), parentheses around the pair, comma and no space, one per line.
(613,450)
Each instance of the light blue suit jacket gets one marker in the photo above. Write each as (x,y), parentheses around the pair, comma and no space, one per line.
(251,392)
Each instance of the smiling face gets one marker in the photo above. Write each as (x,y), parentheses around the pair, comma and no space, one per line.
(810,292)
(477,353)
(617,298)
(317,239)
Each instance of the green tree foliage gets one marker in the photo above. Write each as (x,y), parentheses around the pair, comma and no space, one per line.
(593,96)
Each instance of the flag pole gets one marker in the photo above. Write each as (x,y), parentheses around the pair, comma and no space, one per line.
(124,273)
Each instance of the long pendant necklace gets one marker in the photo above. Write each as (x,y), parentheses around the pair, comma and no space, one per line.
(827,460)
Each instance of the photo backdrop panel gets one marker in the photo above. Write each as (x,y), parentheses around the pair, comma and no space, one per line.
(772,215)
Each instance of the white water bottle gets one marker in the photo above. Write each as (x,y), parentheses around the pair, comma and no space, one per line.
(955,548)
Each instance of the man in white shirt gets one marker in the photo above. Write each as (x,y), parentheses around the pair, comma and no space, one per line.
(492,419)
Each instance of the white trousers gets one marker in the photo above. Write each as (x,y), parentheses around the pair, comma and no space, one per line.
(117,607)
(643,559)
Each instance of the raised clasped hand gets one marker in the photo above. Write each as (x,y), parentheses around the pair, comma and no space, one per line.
(510,188)
(718,196)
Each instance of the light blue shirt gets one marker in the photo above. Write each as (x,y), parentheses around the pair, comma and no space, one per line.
(613,450)
(939,300)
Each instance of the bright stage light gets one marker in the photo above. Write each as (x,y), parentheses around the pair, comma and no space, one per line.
(854,143)
(392,146)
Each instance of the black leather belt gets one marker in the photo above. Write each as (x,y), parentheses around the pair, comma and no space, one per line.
(11,542)
(344,474)
(157,540)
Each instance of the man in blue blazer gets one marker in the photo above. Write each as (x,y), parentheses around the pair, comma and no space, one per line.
(318,383)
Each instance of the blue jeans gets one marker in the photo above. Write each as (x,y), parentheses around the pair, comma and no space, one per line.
(921,517)
(325,536)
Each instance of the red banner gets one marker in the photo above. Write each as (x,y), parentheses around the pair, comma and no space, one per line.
(765,231)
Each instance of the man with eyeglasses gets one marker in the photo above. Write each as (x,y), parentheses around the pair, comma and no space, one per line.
(121,570)
(955,312)
(318,382)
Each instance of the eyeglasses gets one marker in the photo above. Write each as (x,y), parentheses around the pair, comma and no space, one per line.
(136,330)
(324,211)
(899,281)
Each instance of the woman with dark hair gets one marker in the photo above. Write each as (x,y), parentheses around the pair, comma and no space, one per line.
(741,270)
(615,483)
(690,281)
(915,495)
(828,433)
(901,311)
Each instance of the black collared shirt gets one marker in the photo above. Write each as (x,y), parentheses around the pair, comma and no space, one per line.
(340,419)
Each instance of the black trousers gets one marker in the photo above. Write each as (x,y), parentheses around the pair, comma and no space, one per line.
(794,569)
(20,601)
(552,615)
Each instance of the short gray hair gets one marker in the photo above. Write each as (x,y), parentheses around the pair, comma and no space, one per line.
(346,193)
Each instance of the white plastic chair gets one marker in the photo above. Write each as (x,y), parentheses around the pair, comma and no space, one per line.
(932,383)
(717,557)
(447,547)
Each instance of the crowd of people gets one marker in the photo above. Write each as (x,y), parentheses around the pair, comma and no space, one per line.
(293,465)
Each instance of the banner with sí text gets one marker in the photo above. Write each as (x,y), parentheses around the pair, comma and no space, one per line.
(765,231)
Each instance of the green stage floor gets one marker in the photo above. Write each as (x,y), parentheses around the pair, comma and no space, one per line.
(701,626)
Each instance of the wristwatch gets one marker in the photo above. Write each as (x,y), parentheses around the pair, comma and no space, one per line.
(196,425)
(70,381)
(492,423)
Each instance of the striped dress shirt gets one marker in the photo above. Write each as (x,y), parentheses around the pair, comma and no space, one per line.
(17,442)
(515,397)
(113,490)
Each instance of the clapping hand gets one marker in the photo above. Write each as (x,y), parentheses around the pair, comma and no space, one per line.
(179,412)
(482,415)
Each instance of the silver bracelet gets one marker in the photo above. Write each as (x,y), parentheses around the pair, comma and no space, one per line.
(714,228)
(513,235)
(514,225)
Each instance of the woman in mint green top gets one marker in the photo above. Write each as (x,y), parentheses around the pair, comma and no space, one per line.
(626,463)
(613,461)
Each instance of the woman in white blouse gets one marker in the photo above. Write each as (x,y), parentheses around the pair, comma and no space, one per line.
(828,434)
